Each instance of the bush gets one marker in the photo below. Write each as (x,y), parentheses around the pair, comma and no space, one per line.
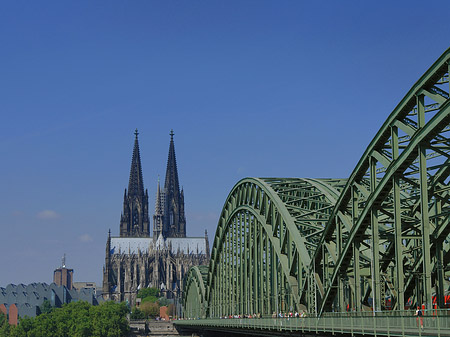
(137,314)
(163,302)
(150,309)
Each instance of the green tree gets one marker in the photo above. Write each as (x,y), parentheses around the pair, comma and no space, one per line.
(150,309)
(109,319)
(145,292)
(163,302)
(45,307)
(4,325)
(78,319)
(137,314)
(149,299)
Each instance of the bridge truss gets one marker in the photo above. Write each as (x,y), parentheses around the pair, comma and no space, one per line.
(378,239)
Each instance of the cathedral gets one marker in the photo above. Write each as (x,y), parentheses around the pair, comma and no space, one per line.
(135,259)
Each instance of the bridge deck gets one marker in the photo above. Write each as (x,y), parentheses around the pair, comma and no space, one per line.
(369,326)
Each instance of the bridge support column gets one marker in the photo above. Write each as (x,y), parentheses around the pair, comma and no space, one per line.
(269,308)
(274,273)
(397,226)
(425,219)
(340,281)
(356,257)
(240,269)
(357,277)
(376,291)
(440,274)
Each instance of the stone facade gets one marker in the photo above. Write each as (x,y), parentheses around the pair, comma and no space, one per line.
(135,259)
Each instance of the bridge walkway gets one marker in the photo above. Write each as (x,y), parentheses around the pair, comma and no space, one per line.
(405,326)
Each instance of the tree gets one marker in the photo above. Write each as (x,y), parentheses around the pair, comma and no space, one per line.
(78,319)
(148,295)
(150,299)
(137,314)
(150,309)
(145,292)
(163,302)
(45,307)
(4,325)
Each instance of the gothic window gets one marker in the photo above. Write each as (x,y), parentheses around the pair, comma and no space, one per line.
(135,220)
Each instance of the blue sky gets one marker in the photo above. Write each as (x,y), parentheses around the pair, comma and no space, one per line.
(251,88)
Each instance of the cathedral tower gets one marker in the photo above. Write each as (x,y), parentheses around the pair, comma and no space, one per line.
(174,220)
(134,260)
(158,216)
(134,219)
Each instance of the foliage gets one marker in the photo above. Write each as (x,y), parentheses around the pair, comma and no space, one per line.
(46,307)
(137,314)
(78,319)
(145,292)
(149,295)
(150,309)
(150,299)
(4,325)
(163,302)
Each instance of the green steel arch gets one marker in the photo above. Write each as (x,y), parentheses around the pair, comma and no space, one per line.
(194,296)
(375,241)
(407,166)
(267,233)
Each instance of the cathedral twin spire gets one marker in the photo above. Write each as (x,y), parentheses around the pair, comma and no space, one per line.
(136,183)
(174,222)
(169,219)
(134,220)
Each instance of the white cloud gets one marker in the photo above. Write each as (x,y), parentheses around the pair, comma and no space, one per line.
(86,238)
(47,214)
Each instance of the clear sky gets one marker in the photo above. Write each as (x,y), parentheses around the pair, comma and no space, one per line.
(251,88)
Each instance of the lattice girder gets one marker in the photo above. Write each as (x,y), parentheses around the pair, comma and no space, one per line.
(282,220)
(407,167)
(379,239)
(194,295)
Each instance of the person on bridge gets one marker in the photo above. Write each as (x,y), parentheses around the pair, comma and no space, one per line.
(419,315)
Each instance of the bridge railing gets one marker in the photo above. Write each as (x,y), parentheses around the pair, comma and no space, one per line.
(394,323)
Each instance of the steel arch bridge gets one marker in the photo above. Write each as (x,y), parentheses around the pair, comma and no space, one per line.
(375,241)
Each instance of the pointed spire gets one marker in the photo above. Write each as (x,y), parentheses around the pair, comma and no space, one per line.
(171,185)
(174,220)
(135,220)
(158,206)
(108,244)
(159,211)
(136,183)
(207,244)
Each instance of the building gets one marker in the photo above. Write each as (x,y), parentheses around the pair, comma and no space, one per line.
(86,285)
(25,300)
(63,276)
(135,259)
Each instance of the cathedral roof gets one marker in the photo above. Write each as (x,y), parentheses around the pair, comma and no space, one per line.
(127,245)
(136,183)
